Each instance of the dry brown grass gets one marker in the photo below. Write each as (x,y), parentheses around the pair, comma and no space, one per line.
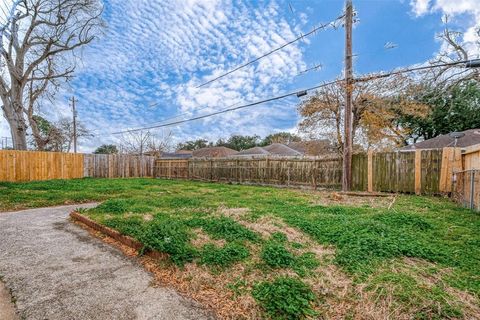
(382,301)
(329,198)
(201,239)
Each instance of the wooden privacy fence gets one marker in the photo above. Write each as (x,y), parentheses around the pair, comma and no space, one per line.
(117,166)
(409,172)
(35,165)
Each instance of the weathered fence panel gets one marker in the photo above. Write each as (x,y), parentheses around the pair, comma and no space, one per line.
(267,171)
(34,165)
(360,172)
(118,166)
(383,171)
(172,169)
(431,166)
(393,172)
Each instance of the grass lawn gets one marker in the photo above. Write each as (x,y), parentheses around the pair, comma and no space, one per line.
(287,254)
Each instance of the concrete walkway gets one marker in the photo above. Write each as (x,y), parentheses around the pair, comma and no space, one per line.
(56,270)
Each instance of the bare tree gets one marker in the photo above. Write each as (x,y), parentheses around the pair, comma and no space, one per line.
(141,142)
(454,48)
(57,136)
(65,126)
(36,52)
(375,111)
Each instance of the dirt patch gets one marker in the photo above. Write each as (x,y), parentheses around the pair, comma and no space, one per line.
(201,239)
(7,308)
(232,212)
(147,217)
(328,198)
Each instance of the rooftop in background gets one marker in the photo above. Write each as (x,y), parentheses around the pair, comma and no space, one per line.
(255,151)
(214,152)
(472,137)
(313,147)
(179,154)
(293,149)
(279,149)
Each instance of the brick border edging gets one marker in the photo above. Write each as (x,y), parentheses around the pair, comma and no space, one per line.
(125,240)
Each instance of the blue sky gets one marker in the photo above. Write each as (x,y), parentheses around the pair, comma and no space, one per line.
(146,65)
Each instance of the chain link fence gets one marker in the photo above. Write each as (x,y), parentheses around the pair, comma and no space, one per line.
(467,188)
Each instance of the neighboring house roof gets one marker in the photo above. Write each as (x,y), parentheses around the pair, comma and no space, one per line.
(184,151)
(279,149)
(176,155)
(312,147)
(255,151)
(214,152)
(472,137)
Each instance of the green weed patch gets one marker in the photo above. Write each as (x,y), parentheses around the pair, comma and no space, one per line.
(285,298)
(225,256)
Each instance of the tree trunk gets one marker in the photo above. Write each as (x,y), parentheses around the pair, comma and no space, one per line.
(18,126)
(19,137)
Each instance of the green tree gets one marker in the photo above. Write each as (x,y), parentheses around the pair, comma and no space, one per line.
(280,137)
(106,149)
(239,142)
(194,144)
(49,136)
(454,109)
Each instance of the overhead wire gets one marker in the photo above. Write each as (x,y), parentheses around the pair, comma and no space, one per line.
(406,70)
(296,92)
(314,30)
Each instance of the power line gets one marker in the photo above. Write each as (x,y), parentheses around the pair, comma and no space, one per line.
(391,73)
(314,30)
(178,115)
(316,67)
(298,93)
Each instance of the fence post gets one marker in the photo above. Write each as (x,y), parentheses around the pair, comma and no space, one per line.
(288,174)
(266,173)
(237,171)
(472,189)
(211,170)
(418,171)
(370,171)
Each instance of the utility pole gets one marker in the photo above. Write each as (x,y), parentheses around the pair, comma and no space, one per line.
(348,141)
(74,125)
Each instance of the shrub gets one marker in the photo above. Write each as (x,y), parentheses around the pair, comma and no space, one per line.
(285,298)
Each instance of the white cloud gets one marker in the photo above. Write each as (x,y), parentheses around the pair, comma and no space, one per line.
(160,51)
(462,14)
(420,7)
(179,45)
